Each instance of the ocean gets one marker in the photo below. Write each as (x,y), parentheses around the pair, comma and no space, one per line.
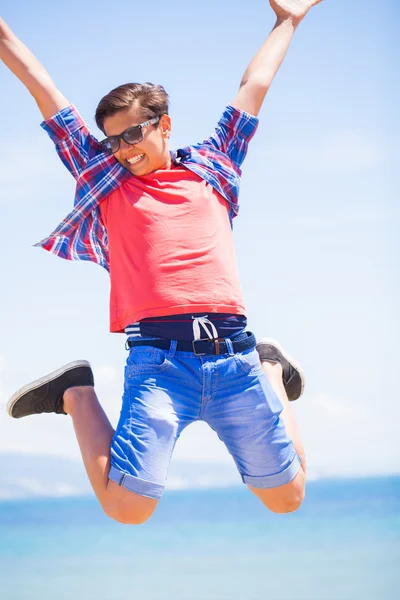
(211,544)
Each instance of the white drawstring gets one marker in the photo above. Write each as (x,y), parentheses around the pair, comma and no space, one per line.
(203,321)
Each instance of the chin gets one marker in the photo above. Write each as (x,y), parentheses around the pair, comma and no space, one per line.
(140,170)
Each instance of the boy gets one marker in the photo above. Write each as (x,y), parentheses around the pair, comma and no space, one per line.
(160,222)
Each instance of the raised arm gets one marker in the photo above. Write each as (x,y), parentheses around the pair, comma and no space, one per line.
(16,56)
(262,69)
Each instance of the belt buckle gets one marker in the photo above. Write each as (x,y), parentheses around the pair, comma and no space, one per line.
(194,348)
(216,342)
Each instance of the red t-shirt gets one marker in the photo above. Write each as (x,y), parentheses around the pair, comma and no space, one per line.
(171,248)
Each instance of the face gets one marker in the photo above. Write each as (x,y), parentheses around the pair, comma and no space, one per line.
(152,152)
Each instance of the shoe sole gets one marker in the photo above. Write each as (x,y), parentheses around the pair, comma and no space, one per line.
(287,356)
(42,381)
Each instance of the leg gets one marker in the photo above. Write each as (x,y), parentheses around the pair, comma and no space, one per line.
(94,434)
(273,372)
(288,497)
(246,412)
(69,390)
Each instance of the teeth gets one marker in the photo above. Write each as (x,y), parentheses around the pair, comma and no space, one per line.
(134,159)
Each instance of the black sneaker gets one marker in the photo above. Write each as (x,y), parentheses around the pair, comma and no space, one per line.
(45,395)
(293,374)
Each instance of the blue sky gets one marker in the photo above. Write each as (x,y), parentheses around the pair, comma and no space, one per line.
(317,237)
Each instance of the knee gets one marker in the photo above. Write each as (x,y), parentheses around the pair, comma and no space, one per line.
(289,503)
(283,499)
(130,514)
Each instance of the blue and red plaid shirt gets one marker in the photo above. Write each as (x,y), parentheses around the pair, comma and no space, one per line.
(82,234)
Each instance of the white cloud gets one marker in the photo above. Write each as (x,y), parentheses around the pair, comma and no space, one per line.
(334,408)
(109,389)
(345,437)
(4,393)
(105,374)
(199,443)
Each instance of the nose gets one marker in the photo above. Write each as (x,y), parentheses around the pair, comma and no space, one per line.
(123,145)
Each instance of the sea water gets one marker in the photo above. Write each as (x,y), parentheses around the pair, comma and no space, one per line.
(343,544)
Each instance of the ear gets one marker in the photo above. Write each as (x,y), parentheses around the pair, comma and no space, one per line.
(165,126)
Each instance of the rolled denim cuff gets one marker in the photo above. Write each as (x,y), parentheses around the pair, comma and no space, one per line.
(137,485)
(276,480)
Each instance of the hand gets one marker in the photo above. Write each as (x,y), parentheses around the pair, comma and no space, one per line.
(292,9)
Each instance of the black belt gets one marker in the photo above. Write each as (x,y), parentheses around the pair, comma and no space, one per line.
(244,341)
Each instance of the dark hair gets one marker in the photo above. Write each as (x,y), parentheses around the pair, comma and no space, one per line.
(153,101)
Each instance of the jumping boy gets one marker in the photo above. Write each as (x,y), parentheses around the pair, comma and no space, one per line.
(160,222)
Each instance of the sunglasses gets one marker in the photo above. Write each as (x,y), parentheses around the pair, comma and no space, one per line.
(132,135)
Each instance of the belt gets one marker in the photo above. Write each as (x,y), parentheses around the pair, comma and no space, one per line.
(244,341)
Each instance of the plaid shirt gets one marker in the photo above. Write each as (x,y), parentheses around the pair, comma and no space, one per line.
(82,234)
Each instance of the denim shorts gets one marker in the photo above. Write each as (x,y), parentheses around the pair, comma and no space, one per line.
(166,390)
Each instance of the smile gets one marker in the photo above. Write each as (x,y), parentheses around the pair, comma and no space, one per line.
(135,159)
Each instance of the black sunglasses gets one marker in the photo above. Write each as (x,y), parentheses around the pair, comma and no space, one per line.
(132,135)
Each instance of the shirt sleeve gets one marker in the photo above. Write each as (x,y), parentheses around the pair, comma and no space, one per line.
(233,133)
(74,143)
